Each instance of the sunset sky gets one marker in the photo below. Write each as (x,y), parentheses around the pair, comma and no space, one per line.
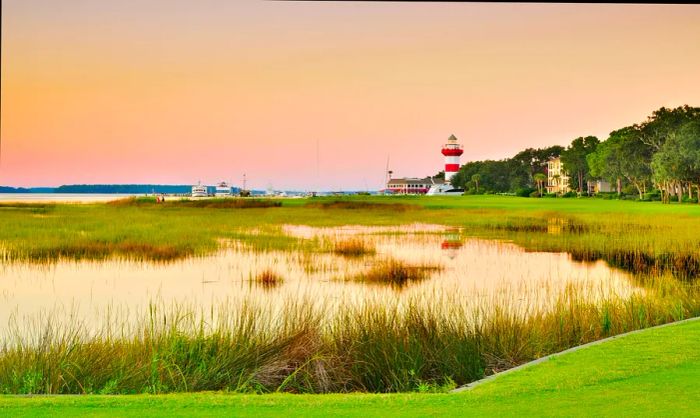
(171,91)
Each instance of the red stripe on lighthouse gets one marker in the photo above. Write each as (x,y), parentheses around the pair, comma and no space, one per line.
(451,168)
(452,152)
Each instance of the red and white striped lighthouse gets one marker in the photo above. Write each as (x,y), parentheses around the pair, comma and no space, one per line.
(452,150)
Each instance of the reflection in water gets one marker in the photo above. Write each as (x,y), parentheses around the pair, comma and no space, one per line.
(475,269)
(555,226)
(452,242)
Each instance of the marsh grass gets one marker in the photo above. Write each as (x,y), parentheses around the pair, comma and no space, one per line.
(268,279)
(354,247)
(105,250)
(682,264)
(312,346)
(396,273)
(210,203)
(6,207)
(639,237)
(361,205)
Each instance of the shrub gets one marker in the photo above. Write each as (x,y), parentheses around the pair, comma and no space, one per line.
(630,189)
(606,195)
(652,196)
(525,191)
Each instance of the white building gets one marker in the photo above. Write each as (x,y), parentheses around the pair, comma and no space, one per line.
(557,178)
(412,185)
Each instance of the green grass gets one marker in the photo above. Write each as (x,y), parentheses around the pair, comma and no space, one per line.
(652,373)
(374,348)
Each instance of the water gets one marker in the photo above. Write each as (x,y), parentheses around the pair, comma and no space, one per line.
(60,197)
(475,269)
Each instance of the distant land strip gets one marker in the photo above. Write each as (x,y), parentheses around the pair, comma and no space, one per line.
(107,189)
(470,1)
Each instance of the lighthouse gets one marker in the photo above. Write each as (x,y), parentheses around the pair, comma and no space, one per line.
(452,151)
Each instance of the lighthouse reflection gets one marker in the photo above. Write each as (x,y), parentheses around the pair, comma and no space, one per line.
(452,241)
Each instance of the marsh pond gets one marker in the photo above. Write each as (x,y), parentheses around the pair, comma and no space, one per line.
(359,263)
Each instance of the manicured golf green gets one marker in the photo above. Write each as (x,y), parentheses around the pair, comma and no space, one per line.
(652,373)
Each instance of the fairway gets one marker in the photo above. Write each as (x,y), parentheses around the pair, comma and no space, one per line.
(652,373)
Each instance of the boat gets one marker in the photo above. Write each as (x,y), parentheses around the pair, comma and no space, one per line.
(274,193)
(199,190)
(223,190)
(444,189)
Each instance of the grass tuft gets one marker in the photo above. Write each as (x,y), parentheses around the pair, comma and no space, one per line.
(355,247)
(268,279)
(396,273)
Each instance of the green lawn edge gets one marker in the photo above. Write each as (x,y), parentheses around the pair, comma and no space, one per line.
(655,372)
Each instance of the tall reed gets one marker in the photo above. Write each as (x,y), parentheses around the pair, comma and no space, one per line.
(312,346)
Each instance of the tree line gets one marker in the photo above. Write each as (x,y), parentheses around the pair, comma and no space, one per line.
(509,175)
(657,157)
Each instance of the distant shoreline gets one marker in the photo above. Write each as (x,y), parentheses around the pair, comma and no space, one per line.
(62,197)
(128,189)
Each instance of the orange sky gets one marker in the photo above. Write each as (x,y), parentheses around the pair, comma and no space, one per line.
(175,91)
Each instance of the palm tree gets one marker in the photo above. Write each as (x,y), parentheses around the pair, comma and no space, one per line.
(540,179)
(475,179)
(556,179)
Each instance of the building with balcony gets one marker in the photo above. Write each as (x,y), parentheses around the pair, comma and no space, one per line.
(557,178)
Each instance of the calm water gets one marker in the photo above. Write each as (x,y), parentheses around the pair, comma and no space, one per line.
(60,197)
(475,269)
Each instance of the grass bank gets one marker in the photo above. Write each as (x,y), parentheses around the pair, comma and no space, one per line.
(652,373)
(426,342)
